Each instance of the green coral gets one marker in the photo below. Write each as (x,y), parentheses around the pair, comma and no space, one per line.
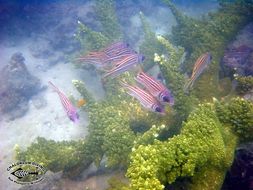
(89,39)
(170,68)
(239,114)
(105,10)
(210,34)
(150,44)
(244,84)
(116,184)
(200,148)
(54,156)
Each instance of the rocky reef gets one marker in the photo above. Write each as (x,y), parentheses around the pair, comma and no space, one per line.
(17,86)
(192,146)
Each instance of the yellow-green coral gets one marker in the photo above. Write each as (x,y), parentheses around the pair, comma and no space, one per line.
(170,68)
(244,84)
(150,45)
(238,113)
(54,156)
(200,144)
(210,34)
(105,10)
(89,39)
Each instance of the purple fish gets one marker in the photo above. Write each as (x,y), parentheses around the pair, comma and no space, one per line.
(156,88)
(124,65)
(146,99)
(69,108)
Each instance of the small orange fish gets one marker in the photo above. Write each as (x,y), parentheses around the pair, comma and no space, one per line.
(81,103)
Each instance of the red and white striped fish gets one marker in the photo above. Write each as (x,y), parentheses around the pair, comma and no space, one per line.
(68,107)
(156,88)
(116,48)
(124,65)
(146,99)
(98,59)
(112,53)
(200,65)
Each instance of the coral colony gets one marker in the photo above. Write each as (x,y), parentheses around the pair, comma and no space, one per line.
(192,144)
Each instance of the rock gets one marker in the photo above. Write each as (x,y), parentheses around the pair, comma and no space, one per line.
(17,86)
(239,58)
(239,54)
(240,174)
(39,101)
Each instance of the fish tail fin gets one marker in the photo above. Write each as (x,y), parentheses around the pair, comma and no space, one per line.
(189,84)
(53,86)
(124,84)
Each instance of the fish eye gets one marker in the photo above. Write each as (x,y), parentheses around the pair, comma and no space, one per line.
(158,109)
(166,99)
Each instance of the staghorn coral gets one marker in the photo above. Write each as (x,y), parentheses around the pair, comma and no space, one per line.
(244,84)
(170,68)
(238,113)
(210,34)
(150,44)
(89,39)
(105,10)
(55,156)
(204,149)
(110,128)
(153,166)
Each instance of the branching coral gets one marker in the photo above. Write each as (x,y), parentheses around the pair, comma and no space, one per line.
(89,39)
(55,156)
(150,45)
(203,150)
(170,68)
(238,113)
(105,10)
(200,143)
(210,34)
(244,84)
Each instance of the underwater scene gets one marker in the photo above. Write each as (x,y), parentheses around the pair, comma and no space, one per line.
(126,95)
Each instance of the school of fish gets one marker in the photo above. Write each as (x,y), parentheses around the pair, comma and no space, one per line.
(118,58)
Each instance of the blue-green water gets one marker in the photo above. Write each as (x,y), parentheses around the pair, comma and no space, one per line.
(166,109)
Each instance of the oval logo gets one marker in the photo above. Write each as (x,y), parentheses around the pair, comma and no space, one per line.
(26,172)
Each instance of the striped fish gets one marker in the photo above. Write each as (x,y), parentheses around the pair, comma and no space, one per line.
(200,65)
(124,65)
(113,53)
(146,99)
(98,59)
(68,107)
(156,88)
(115,48)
